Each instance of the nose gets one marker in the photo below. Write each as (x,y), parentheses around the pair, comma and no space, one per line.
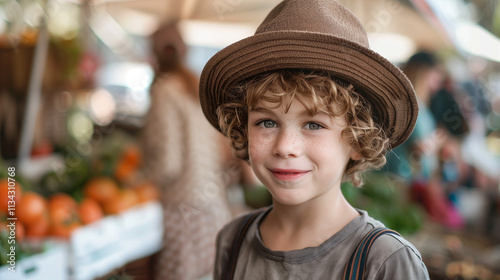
(287,144)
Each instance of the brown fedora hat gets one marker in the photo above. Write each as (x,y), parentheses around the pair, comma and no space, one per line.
(318,35)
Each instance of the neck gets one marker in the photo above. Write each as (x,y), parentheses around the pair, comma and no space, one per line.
(308,224)
(327,209)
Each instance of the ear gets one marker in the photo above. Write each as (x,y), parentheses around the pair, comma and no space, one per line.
(355,155)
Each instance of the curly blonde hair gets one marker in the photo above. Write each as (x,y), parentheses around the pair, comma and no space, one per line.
(318,93)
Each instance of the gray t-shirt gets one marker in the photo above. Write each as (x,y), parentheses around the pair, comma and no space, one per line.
(391,257)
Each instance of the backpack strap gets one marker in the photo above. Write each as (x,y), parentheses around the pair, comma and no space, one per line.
(355,268)
(228,274)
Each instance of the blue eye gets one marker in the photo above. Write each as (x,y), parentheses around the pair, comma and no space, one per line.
(313,126)
(267,123)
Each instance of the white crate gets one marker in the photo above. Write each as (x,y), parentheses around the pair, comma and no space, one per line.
(51,265)
(97,237)
(101,247)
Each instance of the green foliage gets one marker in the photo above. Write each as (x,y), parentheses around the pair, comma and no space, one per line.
(5,247)
(257,196)
(67,179)
(386,200)
(3,168)
(22,249)
(83,161)
(67,54)
(21,252)
(496,21)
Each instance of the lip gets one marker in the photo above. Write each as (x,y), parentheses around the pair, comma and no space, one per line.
(288,175)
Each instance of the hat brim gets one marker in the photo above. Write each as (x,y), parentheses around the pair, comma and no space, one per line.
(379,81)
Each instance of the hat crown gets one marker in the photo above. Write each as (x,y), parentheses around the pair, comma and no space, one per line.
(319,35)
(315,16)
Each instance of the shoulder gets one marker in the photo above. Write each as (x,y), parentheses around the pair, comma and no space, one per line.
(385,245)
(390,244)
(394,257)
(225,240)
(229,230)
(169,84)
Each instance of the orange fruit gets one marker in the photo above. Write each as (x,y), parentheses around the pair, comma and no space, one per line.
(64,231)
(62,200)
(101,189)
(126,199)
(40,228)
(31,208)
(147,191)
(131,155)
(90,211)
(124,171)
(128,163)
(63,221)
(6,193)
(62,216)
(19,231)
(63,211)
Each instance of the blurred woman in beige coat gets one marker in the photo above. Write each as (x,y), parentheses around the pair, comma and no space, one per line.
(190,162)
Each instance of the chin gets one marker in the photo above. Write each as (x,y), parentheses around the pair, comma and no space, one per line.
(288,198)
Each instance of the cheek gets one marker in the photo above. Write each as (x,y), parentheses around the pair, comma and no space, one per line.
(328,151)
(256,146)
(251,150)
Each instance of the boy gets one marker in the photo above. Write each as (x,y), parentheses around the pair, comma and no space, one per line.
(308,105)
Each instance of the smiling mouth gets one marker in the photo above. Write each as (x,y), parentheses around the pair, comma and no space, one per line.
(288,175)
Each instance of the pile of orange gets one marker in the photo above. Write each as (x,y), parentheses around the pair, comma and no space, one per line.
(4,194)
(4,206)
(60,214)
(113,199)
(55,216)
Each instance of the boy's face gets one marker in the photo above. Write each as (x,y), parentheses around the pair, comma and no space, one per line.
(298,157)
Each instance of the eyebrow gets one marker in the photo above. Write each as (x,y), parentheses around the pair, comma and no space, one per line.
(260,109)
(267,110)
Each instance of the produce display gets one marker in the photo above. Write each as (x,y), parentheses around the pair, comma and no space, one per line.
(56,214)
(77,201)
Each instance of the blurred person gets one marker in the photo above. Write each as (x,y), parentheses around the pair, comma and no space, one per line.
(417,161)
(447,111)
(416,157)
(188,159)
(449,116)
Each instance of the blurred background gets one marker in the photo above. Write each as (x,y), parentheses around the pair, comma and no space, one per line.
(75,82)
